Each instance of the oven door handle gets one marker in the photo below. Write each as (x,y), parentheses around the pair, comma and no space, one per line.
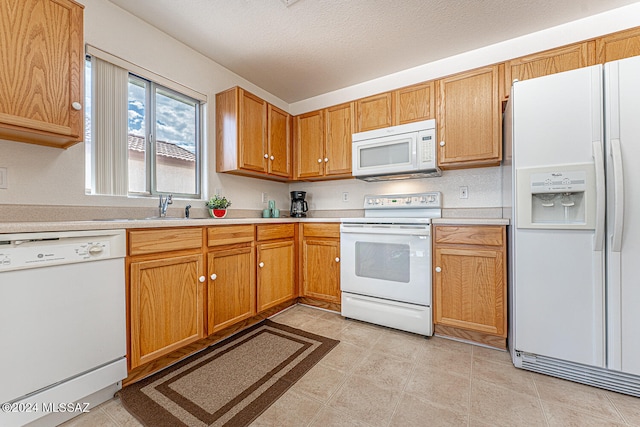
(422,230)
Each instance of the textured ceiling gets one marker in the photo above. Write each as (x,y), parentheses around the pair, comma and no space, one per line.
(317,46)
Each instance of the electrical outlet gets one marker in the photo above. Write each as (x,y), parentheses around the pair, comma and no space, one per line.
(464,192)
(4,184)
(265,197)
(345,196)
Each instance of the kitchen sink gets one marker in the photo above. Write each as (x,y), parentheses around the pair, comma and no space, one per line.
(149,218)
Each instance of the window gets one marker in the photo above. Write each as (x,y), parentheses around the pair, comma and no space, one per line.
(142,137)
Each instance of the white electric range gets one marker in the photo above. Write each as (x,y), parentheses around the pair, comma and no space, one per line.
(385,273)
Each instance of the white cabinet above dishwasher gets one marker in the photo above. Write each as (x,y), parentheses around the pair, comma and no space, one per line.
(62,323)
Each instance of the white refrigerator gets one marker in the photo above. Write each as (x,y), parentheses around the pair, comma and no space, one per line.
(571,187)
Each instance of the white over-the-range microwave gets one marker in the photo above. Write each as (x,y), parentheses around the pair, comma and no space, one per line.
(397,152)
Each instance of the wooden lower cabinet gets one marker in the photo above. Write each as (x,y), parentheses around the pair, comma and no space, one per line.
(321,262)
(166,305)
(470,288)
(276,262)
(275,276)
(231,295)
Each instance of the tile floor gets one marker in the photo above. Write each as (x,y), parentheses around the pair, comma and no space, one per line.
(382,377)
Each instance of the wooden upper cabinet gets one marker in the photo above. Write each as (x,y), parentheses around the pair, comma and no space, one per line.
(339,121)
(469,119)
(414,103)
(279,142)
(252,131)
(549,62)
(42,72)
(374,112)
(618,46)
(323,143)
(309,137)
(253,138)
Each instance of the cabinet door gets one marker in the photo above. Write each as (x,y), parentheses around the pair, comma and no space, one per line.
(253,132)
(279,142)
(618,46)
(339,128)
(309,129)
(549,62)
(321,269)
(469,289)
(469,125)
(275,273)
(414,103)
(42,72)
(166,306)
(231,290)
(374,112)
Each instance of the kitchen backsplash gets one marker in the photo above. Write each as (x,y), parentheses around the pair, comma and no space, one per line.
(483,187)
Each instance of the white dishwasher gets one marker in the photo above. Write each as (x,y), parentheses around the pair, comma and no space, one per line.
(62,323)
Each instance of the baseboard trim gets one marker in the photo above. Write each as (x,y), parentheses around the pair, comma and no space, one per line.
(471,336)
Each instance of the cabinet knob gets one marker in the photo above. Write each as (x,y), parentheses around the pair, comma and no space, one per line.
(76,106)
(326,159)
(319,160)
(266,156)
(272,157)
(438,269)
(441,143)
(202,279)
(261,265)
(337,259)
(214,276)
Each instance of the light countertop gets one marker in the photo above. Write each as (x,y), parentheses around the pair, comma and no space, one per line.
(39,226)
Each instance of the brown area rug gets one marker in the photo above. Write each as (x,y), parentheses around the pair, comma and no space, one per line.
(230,383)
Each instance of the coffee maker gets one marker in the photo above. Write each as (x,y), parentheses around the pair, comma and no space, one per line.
(298,204)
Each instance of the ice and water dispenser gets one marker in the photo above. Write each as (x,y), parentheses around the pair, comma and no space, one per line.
(562,196)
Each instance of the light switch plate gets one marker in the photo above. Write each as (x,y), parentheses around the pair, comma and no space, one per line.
(4,184)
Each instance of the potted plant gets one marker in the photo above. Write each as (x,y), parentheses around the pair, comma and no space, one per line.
(217,206)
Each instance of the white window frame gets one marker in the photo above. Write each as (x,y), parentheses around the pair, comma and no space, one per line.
(152,82)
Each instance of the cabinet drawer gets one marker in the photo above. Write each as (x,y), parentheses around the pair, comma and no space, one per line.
(153,241)
(329,230)
(275,231)
(229,235)
(470,235)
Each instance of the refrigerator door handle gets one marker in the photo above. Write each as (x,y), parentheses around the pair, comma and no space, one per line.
(598,157)
(618,193)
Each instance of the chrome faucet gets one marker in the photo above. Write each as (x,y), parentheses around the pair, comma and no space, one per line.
(164,204)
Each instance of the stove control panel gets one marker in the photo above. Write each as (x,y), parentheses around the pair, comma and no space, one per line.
(403,201)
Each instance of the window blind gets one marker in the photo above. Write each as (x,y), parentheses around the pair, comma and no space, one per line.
(109,127)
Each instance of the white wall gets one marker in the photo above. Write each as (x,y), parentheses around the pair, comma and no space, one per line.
(484,188)
(49,176)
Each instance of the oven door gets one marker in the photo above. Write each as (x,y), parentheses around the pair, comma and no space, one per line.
(389,261)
